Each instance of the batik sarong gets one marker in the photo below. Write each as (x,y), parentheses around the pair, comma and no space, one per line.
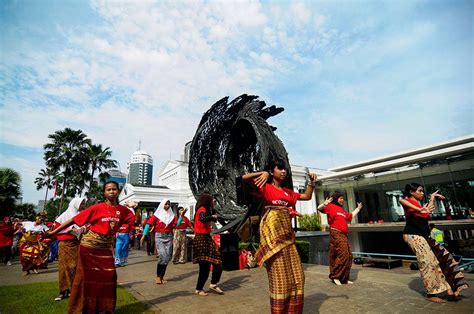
(33,252)
(278,251)
(438,269)
(95,283)
(179,246)
(340,256)
(67,263)
(205,249)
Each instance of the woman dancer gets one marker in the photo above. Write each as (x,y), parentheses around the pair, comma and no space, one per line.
(205,251)
(180,223)
(162,221)
(340,253)
(95,283)
(68,248)
(277,240)
(33,251)
(438,269)
(6,240)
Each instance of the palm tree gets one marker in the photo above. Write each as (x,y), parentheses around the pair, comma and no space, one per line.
(9,190)
(99,159)
(67,153)
(46,180)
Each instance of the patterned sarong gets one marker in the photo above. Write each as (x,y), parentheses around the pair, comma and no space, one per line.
(340,256)
(285,273)
(179,246)
(33,253)
(95,283)
(67,262)
(164,247)
(438,268)
(205,249)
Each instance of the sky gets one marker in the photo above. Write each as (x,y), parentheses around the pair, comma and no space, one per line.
(357,79)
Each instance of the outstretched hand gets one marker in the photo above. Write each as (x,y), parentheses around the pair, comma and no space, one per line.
(359,205)
(428,208)
(436,194)
(312,177)
(328,201)
(262,179)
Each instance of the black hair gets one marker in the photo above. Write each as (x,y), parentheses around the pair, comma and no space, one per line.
(279,163)
(411,187)
(110,182)
(432,226)
(180,207)
(207,201)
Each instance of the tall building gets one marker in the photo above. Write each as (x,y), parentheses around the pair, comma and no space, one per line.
(140,168)
(118,176)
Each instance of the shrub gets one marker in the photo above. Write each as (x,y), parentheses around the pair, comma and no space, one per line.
(303,250)
(310,222)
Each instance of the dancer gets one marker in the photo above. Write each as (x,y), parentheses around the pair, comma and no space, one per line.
(150,236)
(33,251)
(6,240)
(439,271)
(68,248)
(205,251)
(122,240)
(162,221)
(277,240)
(180,223)
(95,283)
(340,253)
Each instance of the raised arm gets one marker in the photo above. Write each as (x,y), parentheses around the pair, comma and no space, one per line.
(324,204)
(425,209)
(63,226)
(257,178)
(308,194)
(357,210)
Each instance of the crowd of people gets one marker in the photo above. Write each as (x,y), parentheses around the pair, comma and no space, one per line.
(93,241)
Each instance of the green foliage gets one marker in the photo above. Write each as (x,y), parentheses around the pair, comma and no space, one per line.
(303,249)
(38,298)
(26,210)
(9,190)
(310,222)
(247,245)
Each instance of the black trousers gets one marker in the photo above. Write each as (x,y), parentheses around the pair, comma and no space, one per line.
(6,253)
(160,270)
(204,269)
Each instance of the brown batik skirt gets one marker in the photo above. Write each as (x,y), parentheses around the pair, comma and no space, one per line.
(67,262)
(438,268)
(277,250)
(33,253)
(205,249)
(340,256)
(95,283)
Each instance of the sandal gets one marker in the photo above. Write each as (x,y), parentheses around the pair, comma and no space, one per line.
(59,297)
(216,289)
(201,293)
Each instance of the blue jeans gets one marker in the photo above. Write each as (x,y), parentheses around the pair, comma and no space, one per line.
(121,248)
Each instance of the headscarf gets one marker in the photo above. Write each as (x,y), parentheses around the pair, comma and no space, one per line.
(335,196)
(71,212)
(165,216)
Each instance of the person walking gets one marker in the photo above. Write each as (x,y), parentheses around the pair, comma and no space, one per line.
(205,250)
(122,240)
(162,221)
(438,269)
(180,223)
(95,283)
(340,253)
(277,239)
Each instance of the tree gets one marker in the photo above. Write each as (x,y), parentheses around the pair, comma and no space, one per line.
(99,159)
(9,190)
(46,179)
(67,153)
(26,210)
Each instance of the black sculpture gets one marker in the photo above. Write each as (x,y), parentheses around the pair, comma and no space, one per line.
(232,139)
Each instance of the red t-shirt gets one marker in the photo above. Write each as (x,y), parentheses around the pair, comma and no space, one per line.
(199,226)
(273,196)
(62,236)
(159,225)
(411,212)
(337,217)
(103,218)
(6,234)
(126,228)
(185,223)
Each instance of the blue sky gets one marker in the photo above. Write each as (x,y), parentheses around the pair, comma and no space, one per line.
(357,79)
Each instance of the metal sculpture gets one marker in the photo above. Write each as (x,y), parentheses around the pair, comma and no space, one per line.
(232,139)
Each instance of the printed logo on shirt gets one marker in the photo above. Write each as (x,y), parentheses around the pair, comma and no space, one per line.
(280,202)
(110,219)
(341,214)
(118,212)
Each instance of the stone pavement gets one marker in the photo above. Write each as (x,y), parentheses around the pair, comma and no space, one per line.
(246,291)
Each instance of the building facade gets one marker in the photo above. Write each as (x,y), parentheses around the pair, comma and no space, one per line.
(140,168)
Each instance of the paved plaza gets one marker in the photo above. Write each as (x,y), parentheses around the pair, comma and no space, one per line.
(246,291)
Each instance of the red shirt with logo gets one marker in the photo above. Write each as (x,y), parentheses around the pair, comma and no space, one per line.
(159,225)
(104,218)
(272,196)
(337,217)
(185,223)
(201,226)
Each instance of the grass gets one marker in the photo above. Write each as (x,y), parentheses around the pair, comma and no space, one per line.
(39,298)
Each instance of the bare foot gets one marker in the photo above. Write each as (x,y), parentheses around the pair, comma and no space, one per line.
(158,281)
(435,299)
(164,281)
(35,271)
(350,282)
